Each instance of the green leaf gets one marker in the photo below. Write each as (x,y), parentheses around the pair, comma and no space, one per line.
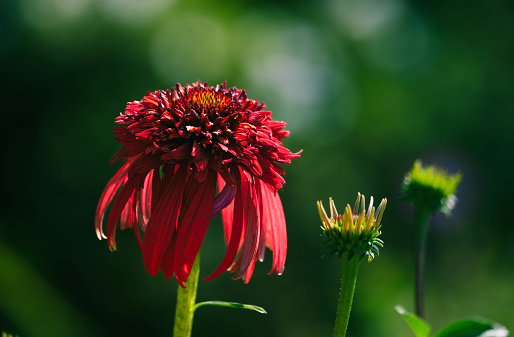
(417,325)
(231,305)
(476,327)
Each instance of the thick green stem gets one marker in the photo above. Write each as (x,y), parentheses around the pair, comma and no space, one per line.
(186,298)
(421,216)
(350,269)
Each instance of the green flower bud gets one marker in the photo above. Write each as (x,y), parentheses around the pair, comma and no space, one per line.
(431,187)
(353,232)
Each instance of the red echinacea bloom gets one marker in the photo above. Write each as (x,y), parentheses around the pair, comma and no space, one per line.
(192,152)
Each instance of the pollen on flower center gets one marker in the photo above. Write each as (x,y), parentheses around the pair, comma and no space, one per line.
(209,100)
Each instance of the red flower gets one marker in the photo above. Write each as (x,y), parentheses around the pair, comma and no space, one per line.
(180,144)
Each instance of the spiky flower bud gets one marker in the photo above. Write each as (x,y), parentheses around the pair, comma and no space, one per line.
(431,187)
(353,232)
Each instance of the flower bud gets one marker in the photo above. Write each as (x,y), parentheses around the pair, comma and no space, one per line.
(353,232)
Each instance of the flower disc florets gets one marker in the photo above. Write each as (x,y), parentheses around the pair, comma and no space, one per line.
(353,232)
(431,187)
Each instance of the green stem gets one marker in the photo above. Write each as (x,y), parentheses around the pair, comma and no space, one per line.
(421,216)
(186,298)
(350,269)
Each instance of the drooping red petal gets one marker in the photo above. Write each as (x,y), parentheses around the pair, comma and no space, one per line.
(163,221)
(195,216)
(247,275)
(156,189)
(126,220)
(262,239)
(145,163)
(274,224)
(133,149)
(228,216)
(167,261)
(227,213)
(107,195)
(224,198)
(236,232)
(252,230)
(137,215)
(118,206)
(145,201)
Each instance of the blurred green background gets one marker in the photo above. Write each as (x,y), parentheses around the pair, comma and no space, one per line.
(366,86)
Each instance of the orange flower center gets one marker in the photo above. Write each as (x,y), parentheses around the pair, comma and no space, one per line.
(209,100)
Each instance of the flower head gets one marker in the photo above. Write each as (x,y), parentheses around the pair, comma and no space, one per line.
(431,187)
(353,232)
(181,146)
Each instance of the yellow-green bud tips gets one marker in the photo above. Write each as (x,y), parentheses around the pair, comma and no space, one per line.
(353,232)
(431,187)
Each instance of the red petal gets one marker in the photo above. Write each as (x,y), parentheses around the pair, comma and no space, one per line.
(249,272)
(118,206)
(163,222)
(126,220)
(156,188)
(179,153)
(274,224)
(236,231)
(107,195)
(132,149)
(146,163)
(227,213)
(223,199)
(262,239)
(145,201)
(252,230)
(137,215)
(194,220)
(167,260)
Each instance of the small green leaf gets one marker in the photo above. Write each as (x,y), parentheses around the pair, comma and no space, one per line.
(476,327)
(232,305)
(417,325)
